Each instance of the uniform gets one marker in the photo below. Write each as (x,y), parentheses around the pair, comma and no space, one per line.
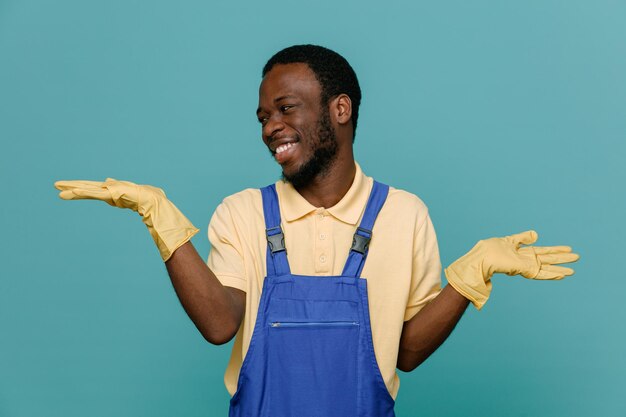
(402,268)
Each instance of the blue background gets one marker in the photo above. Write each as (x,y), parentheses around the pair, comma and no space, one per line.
(502,116)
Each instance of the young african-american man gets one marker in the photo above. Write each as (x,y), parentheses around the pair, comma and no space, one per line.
(328,280)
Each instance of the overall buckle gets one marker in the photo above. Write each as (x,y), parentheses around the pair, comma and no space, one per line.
(275,239)
(361,243)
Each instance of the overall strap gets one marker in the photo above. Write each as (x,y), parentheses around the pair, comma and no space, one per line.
(276,257)
(363,234)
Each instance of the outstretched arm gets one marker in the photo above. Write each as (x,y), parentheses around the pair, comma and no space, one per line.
(216,310)
(469,279)
(429,328)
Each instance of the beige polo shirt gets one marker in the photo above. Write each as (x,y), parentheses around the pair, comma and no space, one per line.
(403,269)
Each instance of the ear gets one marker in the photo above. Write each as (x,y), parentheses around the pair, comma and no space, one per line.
(341,109)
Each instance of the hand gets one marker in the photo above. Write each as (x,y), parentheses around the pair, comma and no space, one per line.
(169,228)
(471,274)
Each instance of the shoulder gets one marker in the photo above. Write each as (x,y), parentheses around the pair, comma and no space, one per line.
(408,218)
(403,213)
(244,201)
(403,202)
(244,207)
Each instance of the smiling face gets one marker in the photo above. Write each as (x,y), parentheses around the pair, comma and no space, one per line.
(296,127)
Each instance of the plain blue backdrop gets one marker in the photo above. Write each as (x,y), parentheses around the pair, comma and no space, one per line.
(501,115)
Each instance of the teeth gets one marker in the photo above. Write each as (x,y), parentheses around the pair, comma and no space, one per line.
(283,148)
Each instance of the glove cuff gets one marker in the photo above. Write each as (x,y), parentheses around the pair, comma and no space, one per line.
(470,284)
(167,242)
(169,228)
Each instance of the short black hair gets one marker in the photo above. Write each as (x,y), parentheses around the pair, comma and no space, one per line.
(332,71)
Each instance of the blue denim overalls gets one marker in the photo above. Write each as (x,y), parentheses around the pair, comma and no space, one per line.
(311,353)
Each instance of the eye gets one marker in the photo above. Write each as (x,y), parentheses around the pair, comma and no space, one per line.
(262,120)
(285,107)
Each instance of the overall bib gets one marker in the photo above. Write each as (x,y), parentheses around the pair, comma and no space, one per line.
(311,352)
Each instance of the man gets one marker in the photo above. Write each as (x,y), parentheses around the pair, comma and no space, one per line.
(314,338)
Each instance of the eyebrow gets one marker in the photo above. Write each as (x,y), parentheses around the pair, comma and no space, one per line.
(276,100)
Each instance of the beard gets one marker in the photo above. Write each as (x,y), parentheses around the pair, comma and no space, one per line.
(324,151)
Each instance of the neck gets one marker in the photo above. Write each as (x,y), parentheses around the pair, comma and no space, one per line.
(329,187)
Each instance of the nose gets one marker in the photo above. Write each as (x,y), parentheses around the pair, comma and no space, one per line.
(273,125)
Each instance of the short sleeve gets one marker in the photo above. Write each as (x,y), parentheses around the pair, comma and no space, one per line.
(226,256)
(426,275)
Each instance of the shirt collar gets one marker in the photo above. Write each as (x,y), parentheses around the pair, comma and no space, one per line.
(349,209)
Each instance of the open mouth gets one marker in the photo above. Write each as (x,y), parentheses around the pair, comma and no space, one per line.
(283,148)
(285,151)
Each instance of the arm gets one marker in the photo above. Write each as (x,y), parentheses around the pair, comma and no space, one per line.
(216,310)
(429,328)
(469,279)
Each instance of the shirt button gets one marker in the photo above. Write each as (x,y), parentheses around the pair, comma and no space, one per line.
(322,259)
(322,236)
(321,216)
